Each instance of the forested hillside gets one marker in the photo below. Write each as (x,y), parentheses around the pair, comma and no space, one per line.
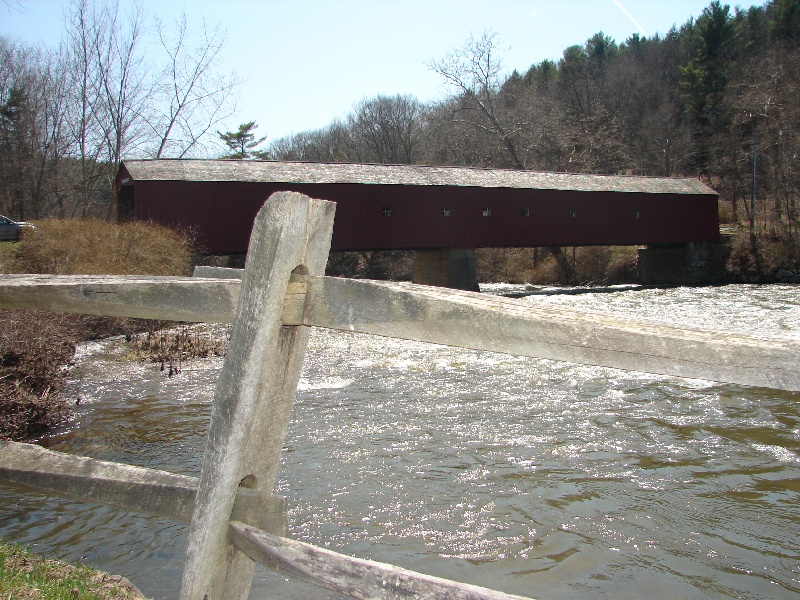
(694,102)
(119,84)
(699,101)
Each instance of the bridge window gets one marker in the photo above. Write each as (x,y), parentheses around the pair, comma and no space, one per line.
(526,212)
(445,211)
(573,213)
(487,212)
(636,214)
(387,211)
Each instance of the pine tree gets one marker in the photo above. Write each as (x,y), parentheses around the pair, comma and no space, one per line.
(242,143)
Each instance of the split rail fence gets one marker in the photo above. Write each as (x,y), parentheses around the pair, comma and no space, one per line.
(235,520)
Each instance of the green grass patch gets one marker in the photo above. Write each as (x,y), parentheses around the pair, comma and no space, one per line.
(27,575)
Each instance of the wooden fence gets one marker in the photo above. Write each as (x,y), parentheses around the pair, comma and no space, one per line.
(235,519)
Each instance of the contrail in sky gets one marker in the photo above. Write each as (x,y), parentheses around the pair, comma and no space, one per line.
(627,14)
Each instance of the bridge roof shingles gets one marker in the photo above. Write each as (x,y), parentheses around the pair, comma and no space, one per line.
(302,172)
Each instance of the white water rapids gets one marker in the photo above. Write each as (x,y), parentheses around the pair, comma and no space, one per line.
(533,477)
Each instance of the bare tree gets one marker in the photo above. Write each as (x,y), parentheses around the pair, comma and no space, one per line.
(130,101)
(333,143)
(53,140)
(195,97)
(82,35)
(386,129)
(474,71)
(33,140)
(126,88)
(454,141)
(68,115)
(112,95)
(14,4)
(765,113)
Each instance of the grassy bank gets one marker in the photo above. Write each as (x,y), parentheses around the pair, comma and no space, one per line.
(35,347)
(27,575)
(94,247)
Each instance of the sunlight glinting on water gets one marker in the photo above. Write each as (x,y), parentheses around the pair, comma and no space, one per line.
(530,476)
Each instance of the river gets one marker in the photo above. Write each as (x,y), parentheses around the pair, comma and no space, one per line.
(530,476)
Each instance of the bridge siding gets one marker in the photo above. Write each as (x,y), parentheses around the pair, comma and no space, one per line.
(223,213)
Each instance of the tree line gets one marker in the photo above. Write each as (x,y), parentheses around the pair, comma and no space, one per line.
(713,98)
(698,101)
(119,84)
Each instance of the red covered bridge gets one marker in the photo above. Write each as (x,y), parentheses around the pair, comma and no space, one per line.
(390,207)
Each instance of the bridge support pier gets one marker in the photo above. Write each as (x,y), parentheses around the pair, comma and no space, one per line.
(685,264)
(447,267)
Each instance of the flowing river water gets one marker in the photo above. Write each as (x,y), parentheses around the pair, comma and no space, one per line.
(533,477)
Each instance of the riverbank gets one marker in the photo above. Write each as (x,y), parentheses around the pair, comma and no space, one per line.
(27,575)
(512,473)
(35,350)
(37,347)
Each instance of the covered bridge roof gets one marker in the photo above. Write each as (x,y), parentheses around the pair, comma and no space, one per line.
(322,173)
(391,207)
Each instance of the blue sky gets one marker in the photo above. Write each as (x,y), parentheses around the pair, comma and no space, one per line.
(306,62)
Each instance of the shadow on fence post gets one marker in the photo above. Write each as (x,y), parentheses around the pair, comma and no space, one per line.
(255,392)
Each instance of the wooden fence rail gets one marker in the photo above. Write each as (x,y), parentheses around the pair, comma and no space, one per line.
(235,519)
(435,315)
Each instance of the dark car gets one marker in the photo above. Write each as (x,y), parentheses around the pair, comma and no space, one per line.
(10,230)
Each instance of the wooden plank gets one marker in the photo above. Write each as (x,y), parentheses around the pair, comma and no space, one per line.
(354,577)
(188,299)
(217,272)
(436,315)
(125,486)
(255,391)
(483,322)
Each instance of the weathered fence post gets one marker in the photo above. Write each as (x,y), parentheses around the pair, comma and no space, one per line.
(256,389)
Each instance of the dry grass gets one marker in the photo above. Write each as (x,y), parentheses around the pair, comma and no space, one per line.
(170,344)
(592,265)
(95,247)
(35,347)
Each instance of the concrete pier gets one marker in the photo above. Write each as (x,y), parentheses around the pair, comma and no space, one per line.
(685,264)
(447,267)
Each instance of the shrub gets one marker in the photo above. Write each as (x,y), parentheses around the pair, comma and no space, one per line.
(779,252)
(507,265)
(622,265)
(94,247)
(775,251)
(725,212)
(591,265)
(394,265)
(34,346)
(547,272)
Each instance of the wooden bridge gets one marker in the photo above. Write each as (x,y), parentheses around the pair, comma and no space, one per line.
(441,213)
(235,518)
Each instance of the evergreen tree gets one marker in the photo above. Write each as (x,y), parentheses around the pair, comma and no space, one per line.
(705,79)
(242,143)
(787,19)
